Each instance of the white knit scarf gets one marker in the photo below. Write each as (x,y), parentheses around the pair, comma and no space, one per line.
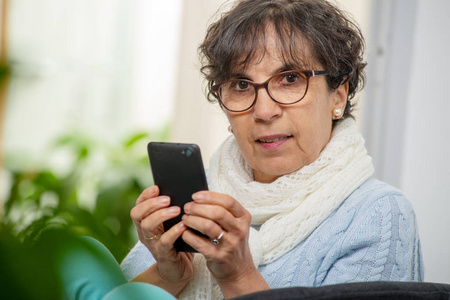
(290,208)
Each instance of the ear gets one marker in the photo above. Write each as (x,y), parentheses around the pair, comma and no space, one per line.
(340,98)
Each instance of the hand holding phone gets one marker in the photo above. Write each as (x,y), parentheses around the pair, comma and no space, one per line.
(178,172)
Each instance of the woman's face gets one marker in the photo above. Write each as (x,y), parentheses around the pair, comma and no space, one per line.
(279,139)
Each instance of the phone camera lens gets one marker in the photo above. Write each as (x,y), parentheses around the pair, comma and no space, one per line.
(188,152)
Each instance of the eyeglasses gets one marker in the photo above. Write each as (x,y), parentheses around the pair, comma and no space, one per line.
(288,87)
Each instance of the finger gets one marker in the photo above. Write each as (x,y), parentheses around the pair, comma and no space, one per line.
(153,221)
(146,208)
(150,192)
(228,202)
(197,242)
(210,214)
(170,236)
(204,245)
(205,226)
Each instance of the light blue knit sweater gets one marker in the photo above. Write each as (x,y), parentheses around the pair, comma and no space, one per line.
(372,236)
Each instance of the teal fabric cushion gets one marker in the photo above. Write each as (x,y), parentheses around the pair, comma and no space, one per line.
(138,291)
(88,271)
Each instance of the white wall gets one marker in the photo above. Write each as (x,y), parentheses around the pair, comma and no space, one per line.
(195,119)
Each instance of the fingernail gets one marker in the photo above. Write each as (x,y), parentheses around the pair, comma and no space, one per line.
(199,196)
(173,209)
(182,226)
(187,207)
(164,199)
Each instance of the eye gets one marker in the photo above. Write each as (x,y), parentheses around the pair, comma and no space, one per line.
(240,85)
(290,78)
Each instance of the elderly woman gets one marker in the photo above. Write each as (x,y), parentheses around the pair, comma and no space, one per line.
(292,200)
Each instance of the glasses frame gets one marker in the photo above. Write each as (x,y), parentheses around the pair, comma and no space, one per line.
(308,73)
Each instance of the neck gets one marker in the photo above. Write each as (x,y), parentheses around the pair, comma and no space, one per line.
(264,178)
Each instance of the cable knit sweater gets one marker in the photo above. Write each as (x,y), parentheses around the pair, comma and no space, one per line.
(372,236)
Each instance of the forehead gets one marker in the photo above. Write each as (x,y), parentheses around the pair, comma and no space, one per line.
(280,44)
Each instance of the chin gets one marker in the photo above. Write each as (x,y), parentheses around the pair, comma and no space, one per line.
(283,166)
(267,175)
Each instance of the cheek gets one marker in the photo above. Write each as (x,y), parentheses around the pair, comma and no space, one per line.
(322,132)
(313,123)
(320,111)
(240,123)
(310,119)
(240,127)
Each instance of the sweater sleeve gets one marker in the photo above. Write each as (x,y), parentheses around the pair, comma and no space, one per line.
(380,244)
(136,261)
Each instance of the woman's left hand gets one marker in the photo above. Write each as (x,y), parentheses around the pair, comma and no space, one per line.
(230,261)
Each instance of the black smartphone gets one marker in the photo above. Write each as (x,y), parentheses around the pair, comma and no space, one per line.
(178,172)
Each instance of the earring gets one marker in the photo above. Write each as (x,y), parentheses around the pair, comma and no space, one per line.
(230,130)
(337,112)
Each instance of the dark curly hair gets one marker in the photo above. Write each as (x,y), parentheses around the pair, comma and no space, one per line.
(302,26)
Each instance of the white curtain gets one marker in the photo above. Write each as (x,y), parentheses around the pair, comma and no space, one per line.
(405,116)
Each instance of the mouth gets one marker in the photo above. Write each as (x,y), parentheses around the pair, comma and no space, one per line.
(273,139)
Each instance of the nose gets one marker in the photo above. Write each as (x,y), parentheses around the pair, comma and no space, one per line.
(265,109)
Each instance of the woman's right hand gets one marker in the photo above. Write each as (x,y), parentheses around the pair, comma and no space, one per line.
(173,270)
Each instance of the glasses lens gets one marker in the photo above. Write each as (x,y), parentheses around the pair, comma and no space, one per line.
(237,94)
(288,87)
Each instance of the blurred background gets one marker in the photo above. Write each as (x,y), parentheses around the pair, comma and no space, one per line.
(86,84)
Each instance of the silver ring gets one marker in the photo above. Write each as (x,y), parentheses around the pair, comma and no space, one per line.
(216,241)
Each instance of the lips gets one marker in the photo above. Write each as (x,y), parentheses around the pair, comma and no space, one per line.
(272,138)
(265,140)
